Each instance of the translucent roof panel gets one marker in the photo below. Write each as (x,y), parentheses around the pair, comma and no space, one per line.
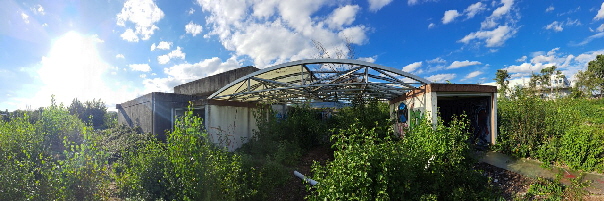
(320,80)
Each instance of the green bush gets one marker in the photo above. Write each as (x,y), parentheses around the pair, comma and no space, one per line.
(55,157)
(428,164)
(563,131)
(581,148)
(187,167)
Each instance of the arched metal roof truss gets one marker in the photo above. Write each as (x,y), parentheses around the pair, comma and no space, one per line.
(320,80)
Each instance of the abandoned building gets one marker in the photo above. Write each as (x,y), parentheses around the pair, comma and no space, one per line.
(228,100)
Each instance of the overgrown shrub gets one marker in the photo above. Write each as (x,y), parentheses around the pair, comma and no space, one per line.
(428,164)
(56,157)
(563,131)
(187,167)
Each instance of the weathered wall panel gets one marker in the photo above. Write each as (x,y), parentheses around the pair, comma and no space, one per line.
(137,113)
(230,126)
(152,112)
(211,84)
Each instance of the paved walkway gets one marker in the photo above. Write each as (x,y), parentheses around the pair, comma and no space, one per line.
(533,168)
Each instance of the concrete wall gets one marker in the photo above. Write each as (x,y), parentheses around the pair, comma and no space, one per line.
(211,84)
(230,124)
(152,112)
(137,113)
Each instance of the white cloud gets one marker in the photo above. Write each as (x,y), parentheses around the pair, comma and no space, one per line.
(497,14)
(473,74)
(440,78)
(140,67)
(25,17)
(143,75)
(586,57)
(600,14)
(460,64)
(164,59)
(437,60)
(415,2)
(368,59)
(549,9)
(590,38)
(556,26)
(143,14)
(570,22)
(431,25)
(526,68)
(183,73)
(270,32)
(193,28)
(543,59)
(600,28)
(449,16)
(343,16)
(375,5)
(119,56)
(521,59)
(474,9)
(129,36)
(567,63)
(163,45)
(191,11)
(38,10)
(412,67)
(354,35)
(470,12)
(494,38)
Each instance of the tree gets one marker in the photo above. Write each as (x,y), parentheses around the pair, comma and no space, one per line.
(501,77)
(591,80)
(541,81)
(92,112)
(546,77)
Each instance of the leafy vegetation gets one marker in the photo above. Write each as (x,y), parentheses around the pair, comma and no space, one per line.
(565,131)
(428,164)
(552,189)
(591,81)
(56,157)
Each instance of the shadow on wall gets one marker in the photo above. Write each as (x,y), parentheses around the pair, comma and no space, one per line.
(129,120)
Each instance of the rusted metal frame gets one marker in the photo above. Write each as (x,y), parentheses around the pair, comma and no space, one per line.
(394,78)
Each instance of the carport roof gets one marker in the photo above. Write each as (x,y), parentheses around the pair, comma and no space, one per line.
(320,80)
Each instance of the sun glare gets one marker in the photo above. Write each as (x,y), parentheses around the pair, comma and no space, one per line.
(72,69)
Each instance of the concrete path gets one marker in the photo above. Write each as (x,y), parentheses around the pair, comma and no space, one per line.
(532,168)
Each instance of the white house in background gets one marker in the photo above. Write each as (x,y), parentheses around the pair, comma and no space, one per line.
(559,86)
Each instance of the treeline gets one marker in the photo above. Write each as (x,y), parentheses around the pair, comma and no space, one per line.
(91,112)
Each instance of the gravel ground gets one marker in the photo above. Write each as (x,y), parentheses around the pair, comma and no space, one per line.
(510,183)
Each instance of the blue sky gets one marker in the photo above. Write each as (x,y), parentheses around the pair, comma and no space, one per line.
(117,50)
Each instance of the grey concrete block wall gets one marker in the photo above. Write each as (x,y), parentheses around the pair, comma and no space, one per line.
(152,112)
(211,84)
(137,113)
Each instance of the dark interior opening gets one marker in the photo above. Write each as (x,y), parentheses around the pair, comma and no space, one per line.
(477,111)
